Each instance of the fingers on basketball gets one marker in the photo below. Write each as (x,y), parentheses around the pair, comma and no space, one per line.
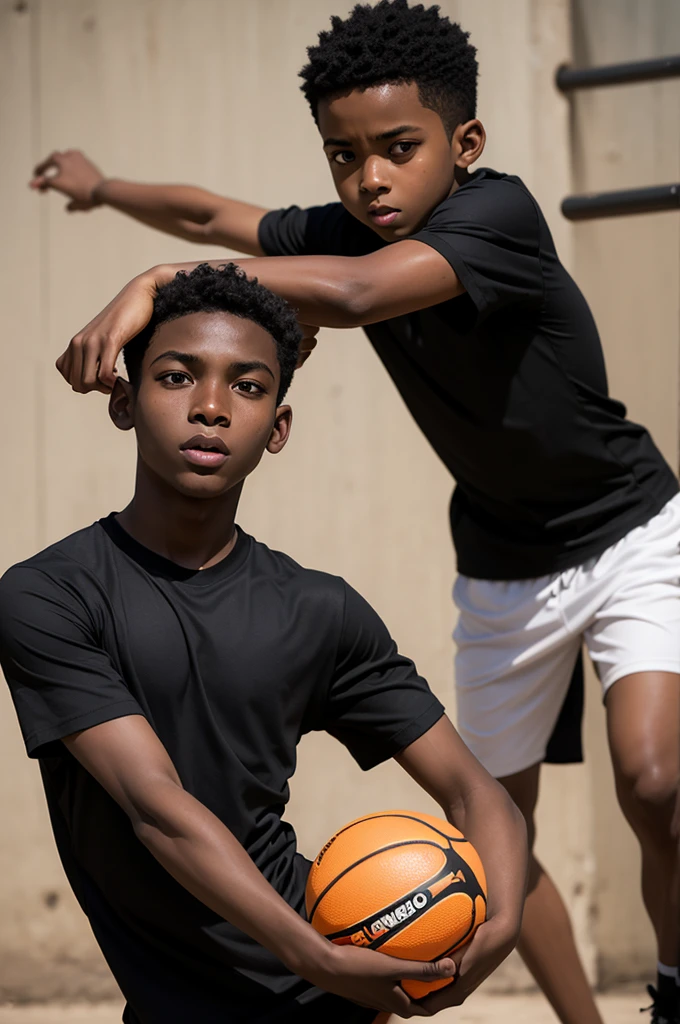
(401,883)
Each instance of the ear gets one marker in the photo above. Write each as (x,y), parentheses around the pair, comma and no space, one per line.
(122,405)
(468,143)
(281,430)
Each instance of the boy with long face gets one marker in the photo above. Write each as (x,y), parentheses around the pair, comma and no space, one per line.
(566,518)
(164,665)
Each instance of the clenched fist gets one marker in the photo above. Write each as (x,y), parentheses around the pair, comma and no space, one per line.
(72,174)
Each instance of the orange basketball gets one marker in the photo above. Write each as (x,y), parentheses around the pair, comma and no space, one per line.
(401,882)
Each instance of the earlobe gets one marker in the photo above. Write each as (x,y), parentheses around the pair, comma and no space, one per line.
(281,430)
(122,405)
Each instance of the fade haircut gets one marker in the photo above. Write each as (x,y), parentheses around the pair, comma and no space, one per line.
(222,290)
(395,43)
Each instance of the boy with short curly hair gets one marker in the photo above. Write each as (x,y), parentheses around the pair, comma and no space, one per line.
(164,665)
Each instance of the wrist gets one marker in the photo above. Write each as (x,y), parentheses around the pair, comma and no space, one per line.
(155,277)
(97,196)
(309,955)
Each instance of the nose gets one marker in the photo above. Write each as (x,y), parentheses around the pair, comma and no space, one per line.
(375,176)
(211,406)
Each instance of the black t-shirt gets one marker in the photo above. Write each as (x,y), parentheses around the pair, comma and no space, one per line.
(231,666)
(507,382)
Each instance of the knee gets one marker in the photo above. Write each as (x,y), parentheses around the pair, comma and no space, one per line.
(652,787)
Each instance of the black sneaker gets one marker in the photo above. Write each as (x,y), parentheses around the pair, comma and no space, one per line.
(660,1014)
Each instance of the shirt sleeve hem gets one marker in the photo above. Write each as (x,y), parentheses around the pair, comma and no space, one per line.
(402,739)
(456,261)
(35,741)
(263,234)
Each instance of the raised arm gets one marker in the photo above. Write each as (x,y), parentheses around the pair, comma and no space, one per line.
(183,210)
(198,850)
(482,810)
(327,291)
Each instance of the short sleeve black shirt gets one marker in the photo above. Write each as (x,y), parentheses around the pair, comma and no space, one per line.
(231,666)
(508,383)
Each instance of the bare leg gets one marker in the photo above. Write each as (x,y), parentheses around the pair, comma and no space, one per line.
(546,941)
(643,712)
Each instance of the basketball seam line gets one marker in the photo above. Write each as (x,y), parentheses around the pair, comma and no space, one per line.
(362,860)
(408,817)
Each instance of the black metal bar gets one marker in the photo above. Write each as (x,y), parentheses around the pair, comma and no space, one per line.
(622,203)
(568,78)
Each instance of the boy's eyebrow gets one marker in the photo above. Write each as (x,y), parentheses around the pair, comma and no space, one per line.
(181,357)
(252,364)
(391,134)
(396,131)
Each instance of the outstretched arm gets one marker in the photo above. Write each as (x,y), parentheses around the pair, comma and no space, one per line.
(482,810)
(327,291)
(183,210)
(198,850)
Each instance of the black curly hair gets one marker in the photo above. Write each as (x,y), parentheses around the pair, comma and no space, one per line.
(393,42)
(228,290)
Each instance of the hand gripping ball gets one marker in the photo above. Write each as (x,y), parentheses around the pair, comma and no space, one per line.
(405,883)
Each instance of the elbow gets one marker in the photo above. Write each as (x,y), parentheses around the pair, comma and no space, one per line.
(155,831)
(499,795)
(156,812)
(489,795)
(355,303)
(147,821)
(208,231)
(518,819)
(145,830)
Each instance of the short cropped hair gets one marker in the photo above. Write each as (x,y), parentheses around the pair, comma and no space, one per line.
(395,43)
(223,290)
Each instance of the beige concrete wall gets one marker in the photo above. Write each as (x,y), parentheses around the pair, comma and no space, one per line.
(206,92)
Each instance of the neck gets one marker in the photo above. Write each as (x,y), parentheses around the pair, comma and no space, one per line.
(460,176)
(192,532)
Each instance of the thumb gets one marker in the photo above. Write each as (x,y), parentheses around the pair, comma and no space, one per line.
(428,970)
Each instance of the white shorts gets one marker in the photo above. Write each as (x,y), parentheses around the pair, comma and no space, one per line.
(517,641)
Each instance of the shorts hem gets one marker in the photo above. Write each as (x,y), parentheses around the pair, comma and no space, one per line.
(648,665)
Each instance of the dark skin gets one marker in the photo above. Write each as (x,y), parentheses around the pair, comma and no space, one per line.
(188,379)
(214,378)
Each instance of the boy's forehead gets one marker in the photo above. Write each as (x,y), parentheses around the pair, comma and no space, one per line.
(215,335)
(373,111)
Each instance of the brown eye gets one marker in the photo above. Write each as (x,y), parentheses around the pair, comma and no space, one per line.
(339,158)
(175,378)
(250,387)
(402,148)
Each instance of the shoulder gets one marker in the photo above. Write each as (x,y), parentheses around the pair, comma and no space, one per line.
(292,580)
(316,231)
(500,201)
(326,598)
(65,571)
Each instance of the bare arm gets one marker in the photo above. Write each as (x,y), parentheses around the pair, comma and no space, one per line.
(327,291)
(350,291)
(482,810)
(183,210)
(198,850)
